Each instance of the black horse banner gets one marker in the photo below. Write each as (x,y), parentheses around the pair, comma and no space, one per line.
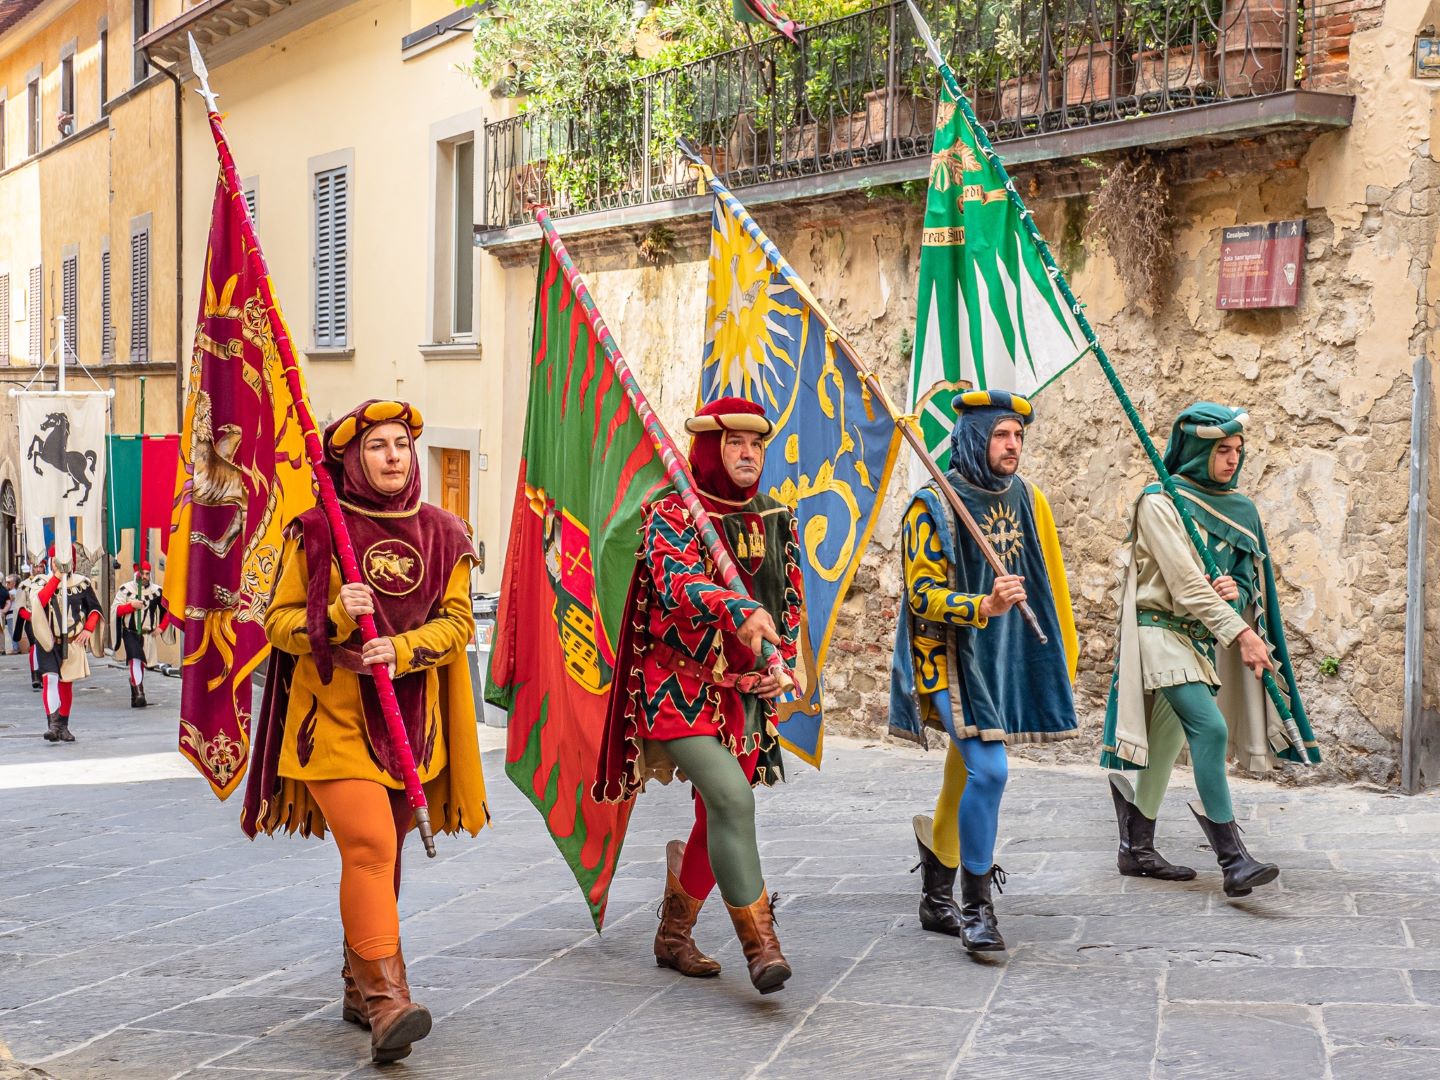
(62,474)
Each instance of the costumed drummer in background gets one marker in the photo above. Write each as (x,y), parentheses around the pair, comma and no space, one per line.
(64,613)
(1180,672)
(688,696)
(968,665)
(322,754)
(138,617)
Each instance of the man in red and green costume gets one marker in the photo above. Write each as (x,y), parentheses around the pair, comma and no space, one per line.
(689,695)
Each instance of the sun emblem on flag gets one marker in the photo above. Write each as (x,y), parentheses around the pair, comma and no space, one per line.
(1002,529)
(752,328)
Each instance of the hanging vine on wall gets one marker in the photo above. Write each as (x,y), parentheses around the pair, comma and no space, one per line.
(1131,213)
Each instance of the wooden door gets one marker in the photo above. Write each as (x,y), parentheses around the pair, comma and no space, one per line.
(455,482)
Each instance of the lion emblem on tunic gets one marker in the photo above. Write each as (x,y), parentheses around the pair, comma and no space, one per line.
(393,567)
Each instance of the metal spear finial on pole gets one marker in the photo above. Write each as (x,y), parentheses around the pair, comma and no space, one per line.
(202,75)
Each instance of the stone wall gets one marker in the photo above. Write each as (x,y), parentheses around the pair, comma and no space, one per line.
(1328,384)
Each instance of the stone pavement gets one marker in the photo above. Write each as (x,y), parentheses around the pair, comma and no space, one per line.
(141,936)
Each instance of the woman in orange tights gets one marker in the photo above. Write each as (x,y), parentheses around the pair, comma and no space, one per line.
(322,756)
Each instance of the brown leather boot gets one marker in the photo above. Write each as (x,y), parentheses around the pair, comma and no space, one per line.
(395,1020)
(352,1005)
(674,947)
(755,927)
(65,735)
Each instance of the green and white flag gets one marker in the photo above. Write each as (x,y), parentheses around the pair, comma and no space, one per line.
(989,313)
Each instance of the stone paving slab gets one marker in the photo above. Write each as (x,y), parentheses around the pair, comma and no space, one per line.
(143,938)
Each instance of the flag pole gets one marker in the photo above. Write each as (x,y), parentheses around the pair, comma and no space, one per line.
(315,453)
(905,423)
(1167,482)
(675,467)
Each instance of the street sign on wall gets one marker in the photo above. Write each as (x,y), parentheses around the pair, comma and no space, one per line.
(1260,265)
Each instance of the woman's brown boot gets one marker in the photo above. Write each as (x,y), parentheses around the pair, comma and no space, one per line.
(755,927)
(674,947)
(395,1020)
(352,1005)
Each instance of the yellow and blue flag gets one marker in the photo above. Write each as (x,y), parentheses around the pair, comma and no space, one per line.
(768,341)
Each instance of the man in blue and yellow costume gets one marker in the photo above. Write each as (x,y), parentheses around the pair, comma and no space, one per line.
(1180,671)
(966,665)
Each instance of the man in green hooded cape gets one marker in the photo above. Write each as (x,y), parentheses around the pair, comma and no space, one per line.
(1185,644)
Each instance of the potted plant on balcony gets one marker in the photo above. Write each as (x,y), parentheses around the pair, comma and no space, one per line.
(1174,43)
(1097,57)
(1018,66)
(1252,40)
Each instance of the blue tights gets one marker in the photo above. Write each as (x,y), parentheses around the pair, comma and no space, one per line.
(987,771)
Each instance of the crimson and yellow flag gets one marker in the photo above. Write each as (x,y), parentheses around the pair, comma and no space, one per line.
(242,477)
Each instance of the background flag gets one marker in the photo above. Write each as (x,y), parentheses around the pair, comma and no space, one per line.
(764,13)
(142,487)
(767,340)
(989,313)
(587,468)
(62,479)
(242,476)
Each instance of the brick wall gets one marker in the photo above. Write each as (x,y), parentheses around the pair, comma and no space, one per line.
(1325,39)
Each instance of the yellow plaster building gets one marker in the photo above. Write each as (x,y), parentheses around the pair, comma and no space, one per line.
(355,133)
(88,214)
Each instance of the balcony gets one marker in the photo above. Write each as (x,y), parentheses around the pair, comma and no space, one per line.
(854,103)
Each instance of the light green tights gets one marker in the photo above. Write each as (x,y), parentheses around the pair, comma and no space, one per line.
(729,815)
(1186,713)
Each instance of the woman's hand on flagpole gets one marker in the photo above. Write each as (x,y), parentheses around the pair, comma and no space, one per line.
(357,599)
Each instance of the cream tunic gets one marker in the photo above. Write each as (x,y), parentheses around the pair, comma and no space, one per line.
(1170,577)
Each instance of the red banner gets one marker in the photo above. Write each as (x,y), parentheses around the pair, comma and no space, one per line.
(241,476)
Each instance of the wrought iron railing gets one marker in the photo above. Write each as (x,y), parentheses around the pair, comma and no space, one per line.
(860,90)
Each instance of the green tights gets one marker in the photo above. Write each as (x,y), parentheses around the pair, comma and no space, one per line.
(729,815)
(1187,713)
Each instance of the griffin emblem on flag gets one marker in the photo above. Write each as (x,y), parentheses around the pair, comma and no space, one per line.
(242,477)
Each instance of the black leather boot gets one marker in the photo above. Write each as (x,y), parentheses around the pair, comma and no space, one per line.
(35,682)
(65,735)
(938,910)
(980,931)
(137,697)
(1138,857)
(52,727)
(1242,872)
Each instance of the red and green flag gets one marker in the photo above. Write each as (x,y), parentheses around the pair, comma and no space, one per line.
(764,12)
(587,469)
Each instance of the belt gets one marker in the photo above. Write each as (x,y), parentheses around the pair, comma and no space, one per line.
(1191,628)
(928,629)
(745,682)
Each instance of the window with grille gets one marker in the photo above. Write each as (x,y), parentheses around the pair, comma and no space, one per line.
(140,296)
(104,70)
(250,205)
(141,22)
(67,97)
(4,318)
(463,249)
(32,133)
(69,271)
(332,258)
(35,310)
(107,323)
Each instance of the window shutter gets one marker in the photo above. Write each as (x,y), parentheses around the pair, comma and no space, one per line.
(250,206)
(4,318)
(69,269)
(332,258)
(140,297)
(37,310)
(107,323)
